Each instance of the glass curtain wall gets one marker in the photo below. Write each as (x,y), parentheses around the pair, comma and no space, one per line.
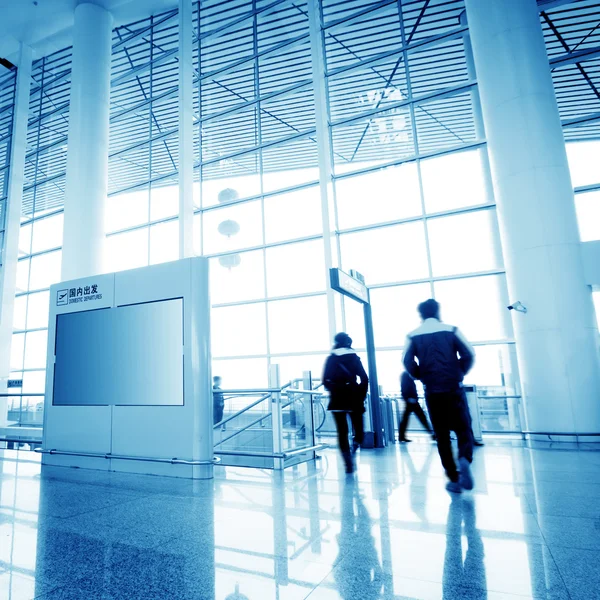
(143,200)
(573,28)
(585,173)
(40,238)
(260,209)
(414,206)
(8,81)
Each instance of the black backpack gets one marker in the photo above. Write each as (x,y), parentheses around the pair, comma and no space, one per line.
(338,376)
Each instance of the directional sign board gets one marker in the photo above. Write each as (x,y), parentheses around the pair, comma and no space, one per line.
(349,286)
(354,287)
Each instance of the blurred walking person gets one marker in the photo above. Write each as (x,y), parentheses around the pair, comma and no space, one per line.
(408,390)
(345,379)
(444,357)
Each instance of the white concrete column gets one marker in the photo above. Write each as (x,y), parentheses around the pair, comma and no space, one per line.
(186,130)
(12,226)
(87,155)
(323,152)
(558,358)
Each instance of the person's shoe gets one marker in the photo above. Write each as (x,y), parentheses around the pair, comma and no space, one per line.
(476,443)
(349,463)
(405,441)
(454,487)
(466,477)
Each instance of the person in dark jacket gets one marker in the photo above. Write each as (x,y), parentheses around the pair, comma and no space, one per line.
(408,390)
(218,400)
(444,357)
(346,395)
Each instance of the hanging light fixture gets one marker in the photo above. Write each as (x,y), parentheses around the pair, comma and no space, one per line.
(229,261)
(229,227)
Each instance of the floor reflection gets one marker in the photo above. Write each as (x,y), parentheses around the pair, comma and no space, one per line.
(391,532)
(418,493)
(359,565)
(463,570)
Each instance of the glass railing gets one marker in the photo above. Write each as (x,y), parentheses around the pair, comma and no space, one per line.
(269,428)
(26,410)
(25,418)
(500,410)
(244,437)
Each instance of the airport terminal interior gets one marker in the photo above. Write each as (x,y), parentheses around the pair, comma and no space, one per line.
(196,196)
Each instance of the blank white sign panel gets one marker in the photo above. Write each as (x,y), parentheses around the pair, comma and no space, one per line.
(129,355)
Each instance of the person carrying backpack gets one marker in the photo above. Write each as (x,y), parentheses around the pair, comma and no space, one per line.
(346,395)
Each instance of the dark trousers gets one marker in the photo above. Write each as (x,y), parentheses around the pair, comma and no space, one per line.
(218,413)
(450,412)
(412,407)
(341,424)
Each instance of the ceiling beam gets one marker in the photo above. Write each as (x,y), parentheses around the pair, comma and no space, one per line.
(572,58)
(550,4)
(581,121)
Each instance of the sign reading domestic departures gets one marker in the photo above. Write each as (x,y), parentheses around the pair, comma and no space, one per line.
(78,294)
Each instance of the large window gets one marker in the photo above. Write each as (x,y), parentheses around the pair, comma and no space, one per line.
(41,232)
(585,174)
(414,208)
(260,203)
(409,201)
(143,197)
(8,81)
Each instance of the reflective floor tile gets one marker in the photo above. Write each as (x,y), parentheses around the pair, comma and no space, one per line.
(580,571)
(389,531)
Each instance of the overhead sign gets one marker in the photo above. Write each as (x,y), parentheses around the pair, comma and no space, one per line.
(75,295)
(349,286)
(15,383)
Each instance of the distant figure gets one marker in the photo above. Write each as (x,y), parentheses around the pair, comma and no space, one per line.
(408,389)
(444,358)
(346,395)
(218,400)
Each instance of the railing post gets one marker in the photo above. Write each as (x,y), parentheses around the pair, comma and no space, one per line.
(309,413)
(276,417)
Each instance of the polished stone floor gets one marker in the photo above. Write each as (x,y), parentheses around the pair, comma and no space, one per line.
(530,529)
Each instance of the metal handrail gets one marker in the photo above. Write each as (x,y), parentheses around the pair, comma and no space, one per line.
(396,395)
(242,411)
(22,395)
(305,449)
(565,433)
(108,455)
(20,440)
(307,392)
(252,391)
(283,455)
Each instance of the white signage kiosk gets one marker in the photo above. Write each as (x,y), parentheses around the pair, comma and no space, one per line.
(128,385)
